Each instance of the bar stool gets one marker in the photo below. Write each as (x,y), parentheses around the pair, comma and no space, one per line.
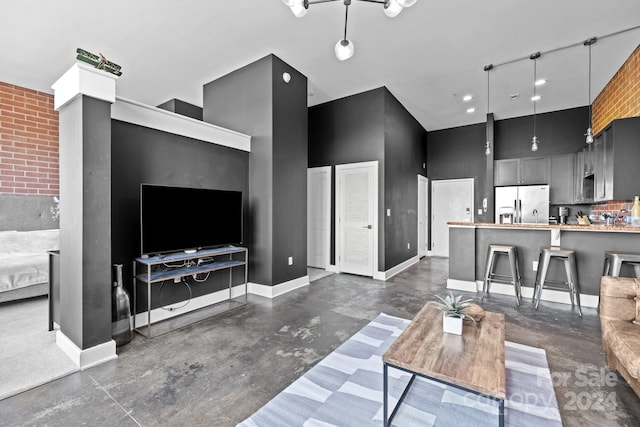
(613,261)
(490,276)
(569,259)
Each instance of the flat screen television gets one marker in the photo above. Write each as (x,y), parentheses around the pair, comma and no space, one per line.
(174,219)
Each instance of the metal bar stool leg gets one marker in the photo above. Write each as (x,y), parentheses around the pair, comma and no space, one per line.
(487,273)
(513,266)
(546,258)
(616,264)
(570,283)
(573,278)
(519,278)
(607,265)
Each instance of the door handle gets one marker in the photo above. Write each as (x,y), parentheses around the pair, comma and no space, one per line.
(368,226)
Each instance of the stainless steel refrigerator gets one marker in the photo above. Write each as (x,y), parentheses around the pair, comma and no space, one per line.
(523,204)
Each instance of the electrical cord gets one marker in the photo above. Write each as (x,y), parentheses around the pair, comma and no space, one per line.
(181,306)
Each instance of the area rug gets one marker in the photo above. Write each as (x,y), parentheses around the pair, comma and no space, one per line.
(345,389)
(29,355)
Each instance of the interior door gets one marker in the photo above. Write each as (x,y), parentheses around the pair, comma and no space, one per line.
(451,200)
(318,216)
(423,217)
(356,217)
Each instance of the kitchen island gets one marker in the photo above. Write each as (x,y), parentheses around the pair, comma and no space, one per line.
(468,244)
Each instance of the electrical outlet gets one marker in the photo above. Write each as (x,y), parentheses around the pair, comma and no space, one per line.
(479,211)
(408,245)
(290,260)
(388,212)
(535,265)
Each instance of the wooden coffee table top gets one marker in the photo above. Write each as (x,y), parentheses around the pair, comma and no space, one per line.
(473,360)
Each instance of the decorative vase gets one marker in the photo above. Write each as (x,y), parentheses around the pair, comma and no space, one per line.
(120,311)
(451,325)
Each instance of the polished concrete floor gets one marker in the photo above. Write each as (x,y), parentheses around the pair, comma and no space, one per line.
(219,371)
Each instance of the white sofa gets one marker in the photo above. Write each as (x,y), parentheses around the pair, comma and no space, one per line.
(24,262)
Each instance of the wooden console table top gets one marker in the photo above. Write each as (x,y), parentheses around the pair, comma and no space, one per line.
(473,360)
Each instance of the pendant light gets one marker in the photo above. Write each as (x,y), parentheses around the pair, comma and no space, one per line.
(535,98)
(487,146)
(589,134)
(344,48)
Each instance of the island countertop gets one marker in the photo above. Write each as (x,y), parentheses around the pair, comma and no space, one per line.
(469,242)
(569,227)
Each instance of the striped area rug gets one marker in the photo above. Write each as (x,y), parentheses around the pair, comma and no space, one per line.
(345,389)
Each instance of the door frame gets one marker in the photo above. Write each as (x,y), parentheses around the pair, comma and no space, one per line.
(426,195)
(374,199)
(434,183)
(327,202)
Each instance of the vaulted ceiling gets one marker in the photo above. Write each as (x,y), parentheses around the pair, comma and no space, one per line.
(429,56)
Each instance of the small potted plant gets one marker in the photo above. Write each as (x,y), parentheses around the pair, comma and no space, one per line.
(453,313)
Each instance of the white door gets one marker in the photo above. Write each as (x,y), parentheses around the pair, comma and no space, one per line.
(357,218)
(423,217)
(318,216)
(451,200)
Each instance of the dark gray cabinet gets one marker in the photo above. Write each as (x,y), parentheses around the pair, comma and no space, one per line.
(561,179)
(617,164)
(523,171)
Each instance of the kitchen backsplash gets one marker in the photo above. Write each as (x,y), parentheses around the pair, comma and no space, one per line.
(613,207)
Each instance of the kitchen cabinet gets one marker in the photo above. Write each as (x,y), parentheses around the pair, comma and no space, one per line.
(523,171)
(562,179)
(616,168)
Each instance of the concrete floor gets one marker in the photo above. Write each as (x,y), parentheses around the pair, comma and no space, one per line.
(219,371)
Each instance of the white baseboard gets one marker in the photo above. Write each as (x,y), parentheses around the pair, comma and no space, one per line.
(158,314)
(386,275)
(88,357)
(279,289)
(505,289)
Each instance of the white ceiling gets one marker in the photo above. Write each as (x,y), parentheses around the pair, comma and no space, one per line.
(428,56)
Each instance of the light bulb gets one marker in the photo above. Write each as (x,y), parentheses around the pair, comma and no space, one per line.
(534,143)
(298,8)
(589,136)
(392,9)
(344,49)
(406,3)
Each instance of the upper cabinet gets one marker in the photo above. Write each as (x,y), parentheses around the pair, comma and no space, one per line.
(523,171)
(616,165)
(561,179)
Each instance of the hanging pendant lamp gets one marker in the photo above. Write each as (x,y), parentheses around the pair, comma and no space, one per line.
(589,135)
(534,99)
(344,48)
(487,146)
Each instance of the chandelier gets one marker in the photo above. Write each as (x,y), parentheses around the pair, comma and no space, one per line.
(344,49)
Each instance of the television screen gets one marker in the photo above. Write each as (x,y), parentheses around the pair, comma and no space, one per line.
(177,218)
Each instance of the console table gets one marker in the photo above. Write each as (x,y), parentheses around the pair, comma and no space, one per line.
(155,270)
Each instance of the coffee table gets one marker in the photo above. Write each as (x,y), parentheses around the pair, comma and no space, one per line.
(473,361)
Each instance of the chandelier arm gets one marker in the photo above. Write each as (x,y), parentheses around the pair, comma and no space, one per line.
(590,85)
(375,1)
(310,2)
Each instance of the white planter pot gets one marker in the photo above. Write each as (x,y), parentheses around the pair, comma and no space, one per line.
(451,325)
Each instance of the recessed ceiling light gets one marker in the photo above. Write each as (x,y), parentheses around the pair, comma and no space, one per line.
(471,110)
(536,98)
(540,82)
(467,98)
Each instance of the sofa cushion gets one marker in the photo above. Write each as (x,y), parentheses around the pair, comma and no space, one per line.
(623,338)
(618,298)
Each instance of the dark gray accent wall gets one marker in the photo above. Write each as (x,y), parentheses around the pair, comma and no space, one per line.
(183,108)
(369,126)
(255,101)
(404,154)
(24,212)
(143,155)
(459,153)
(349,130)
(85,221)
(559,132)
(290,148)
